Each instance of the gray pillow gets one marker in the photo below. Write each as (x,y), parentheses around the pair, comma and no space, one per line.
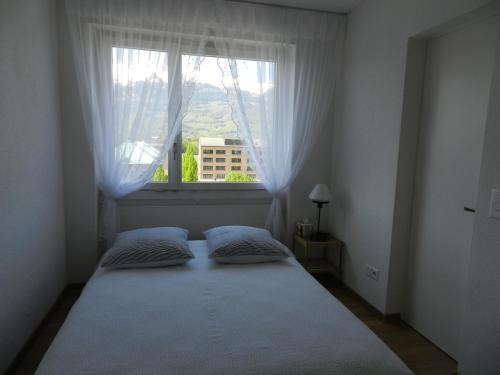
(240,244)
(148,247)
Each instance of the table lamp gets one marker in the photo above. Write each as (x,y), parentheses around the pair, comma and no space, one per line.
(320,195)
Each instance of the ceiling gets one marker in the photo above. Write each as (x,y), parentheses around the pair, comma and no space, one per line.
(328,5)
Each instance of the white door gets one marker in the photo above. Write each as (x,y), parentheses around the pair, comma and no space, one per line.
(454,104)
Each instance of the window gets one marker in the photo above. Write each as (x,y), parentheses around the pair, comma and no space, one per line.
(207,125)
(208,121)
(249,169)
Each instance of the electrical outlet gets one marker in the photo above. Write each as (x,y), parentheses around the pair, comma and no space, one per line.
(495,204)
(371,272)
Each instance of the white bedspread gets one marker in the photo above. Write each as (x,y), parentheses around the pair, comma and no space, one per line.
(214,319)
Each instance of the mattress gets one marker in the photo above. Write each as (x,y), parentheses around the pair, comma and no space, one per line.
(214,319)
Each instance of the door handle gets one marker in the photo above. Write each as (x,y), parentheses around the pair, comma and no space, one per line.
(468,209)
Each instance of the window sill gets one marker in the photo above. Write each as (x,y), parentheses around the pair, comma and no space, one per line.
(164,194)
(203,186)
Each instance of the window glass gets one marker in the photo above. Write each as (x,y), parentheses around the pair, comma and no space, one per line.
(131,68)
(211,147)
(209,126)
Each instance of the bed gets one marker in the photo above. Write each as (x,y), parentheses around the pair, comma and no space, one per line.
(214,319)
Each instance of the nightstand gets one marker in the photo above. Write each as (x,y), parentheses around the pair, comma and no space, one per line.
(322,265)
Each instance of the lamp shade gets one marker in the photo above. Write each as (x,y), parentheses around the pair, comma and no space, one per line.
(320,194)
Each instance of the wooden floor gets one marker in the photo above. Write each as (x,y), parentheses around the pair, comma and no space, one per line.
(421,356)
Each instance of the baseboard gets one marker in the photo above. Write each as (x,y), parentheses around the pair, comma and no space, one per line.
(17,359)
(391,318)
(386,318)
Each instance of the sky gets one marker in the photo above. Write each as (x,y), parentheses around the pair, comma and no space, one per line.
(132,65)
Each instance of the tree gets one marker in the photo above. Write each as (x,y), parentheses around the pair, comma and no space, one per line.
(239,177)
(188,142)
(189,164)
(160,175)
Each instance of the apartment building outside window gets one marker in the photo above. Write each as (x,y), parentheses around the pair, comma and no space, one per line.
(236,166)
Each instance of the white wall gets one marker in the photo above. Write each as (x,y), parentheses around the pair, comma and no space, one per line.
(32,251)
(194,210)
(79,185)
(367,136)
(481,327)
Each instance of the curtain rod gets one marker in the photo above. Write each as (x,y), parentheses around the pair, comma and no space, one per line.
(288,7)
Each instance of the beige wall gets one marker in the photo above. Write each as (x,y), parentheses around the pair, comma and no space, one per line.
(32,249)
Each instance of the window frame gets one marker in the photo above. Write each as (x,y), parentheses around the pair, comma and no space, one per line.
(174,171)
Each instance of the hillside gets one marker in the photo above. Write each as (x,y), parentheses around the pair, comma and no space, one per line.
(209,114)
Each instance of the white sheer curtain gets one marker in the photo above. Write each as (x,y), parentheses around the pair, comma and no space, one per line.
(127,54)
(128,57)
(298,56)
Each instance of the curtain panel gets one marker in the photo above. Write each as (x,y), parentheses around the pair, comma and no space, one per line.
(300,54)
(294,54)
(132,119)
